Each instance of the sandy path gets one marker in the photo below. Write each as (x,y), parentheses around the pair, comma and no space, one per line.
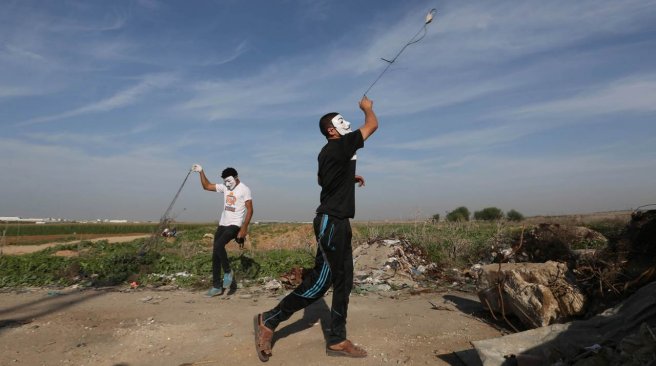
(134,327)
(26,249)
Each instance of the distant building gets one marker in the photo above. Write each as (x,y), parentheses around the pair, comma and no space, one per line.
(30,219)
(20,219)
(9,218)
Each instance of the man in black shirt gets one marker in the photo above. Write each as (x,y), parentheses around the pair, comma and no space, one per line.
(334,258)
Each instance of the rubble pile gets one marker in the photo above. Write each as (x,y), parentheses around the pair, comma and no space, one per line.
(622,335)
(540,292)
(638,348)
(635,251)
(386,264)
(622,267)
(546,242)
(613,288)
(378,265)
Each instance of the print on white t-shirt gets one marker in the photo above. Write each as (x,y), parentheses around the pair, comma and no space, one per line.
(234,204)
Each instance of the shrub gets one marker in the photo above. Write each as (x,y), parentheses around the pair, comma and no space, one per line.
(435,218)
(514,215)
(489,214)
(459,214)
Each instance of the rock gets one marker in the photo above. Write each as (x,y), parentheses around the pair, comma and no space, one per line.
(474,271)
(273,285)
(383,287)
(167,288)
(585,254)
(538,294)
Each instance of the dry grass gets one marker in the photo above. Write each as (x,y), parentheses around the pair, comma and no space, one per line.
(581,219)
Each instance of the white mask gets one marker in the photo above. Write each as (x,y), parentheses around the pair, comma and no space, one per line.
(341,125)
(230,182)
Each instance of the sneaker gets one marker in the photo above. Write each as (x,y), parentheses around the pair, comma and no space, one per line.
(227,280)
(214,292)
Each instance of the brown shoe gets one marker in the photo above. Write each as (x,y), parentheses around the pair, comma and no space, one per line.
(263,337)
(346,349)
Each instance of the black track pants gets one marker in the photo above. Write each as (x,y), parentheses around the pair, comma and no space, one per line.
(333,265)
(222,237)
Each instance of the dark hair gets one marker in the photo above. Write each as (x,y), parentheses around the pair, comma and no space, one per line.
(326,122)
(228,172)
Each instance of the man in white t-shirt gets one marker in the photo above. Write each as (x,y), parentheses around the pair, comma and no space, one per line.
(236,215)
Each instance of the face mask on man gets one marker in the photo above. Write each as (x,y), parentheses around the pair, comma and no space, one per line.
(341,125)
(230,182)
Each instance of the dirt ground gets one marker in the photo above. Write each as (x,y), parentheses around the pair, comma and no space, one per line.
(122,326)
(26,249)
(62,239)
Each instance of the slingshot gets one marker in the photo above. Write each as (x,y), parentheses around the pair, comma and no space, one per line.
(416,38)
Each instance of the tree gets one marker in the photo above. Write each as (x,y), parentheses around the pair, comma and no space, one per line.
(489,214)
(514,215)
(459,214)
(435,219)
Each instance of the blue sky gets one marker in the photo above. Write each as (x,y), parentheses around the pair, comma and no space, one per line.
(546,107)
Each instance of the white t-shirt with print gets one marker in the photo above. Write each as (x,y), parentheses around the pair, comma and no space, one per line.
(234,204)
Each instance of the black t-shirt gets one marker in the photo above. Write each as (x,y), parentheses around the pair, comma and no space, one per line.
(337,175)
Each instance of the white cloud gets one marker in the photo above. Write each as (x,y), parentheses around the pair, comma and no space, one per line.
(437,72)
(492,31)
(243,98)
(149,4)
(545,184)
(57,178)
(492,71)
(21,53)
(121,99)
(241,48)
(18,91)
(479,138)
(634,94)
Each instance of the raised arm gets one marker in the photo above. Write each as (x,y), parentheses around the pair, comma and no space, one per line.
(370,120)
(204,182)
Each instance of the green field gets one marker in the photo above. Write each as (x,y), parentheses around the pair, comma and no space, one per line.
(186,260)
(87,228)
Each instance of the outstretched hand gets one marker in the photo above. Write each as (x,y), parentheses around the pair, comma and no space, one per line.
(366,104)
(197,168)
(359,180)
